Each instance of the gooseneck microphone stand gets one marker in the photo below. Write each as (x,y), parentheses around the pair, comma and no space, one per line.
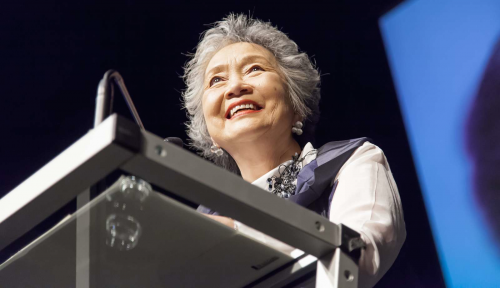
(105,95)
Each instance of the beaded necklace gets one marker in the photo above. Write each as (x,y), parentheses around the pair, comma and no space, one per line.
(284,184)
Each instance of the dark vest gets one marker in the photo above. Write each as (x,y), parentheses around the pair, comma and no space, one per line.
(314,183)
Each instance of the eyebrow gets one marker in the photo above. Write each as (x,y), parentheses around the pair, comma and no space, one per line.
(244,60)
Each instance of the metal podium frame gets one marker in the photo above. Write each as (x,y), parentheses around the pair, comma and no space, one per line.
(119,144)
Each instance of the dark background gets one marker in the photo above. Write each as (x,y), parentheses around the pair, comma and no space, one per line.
(52,56)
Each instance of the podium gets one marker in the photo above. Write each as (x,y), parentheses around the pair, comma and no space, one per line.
(140,228)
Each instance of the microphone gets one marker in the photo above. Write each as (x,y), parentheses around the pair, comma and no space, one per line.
(175,140)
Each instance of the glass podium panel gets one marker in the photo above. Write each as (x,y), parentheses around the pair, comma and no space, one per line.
(133,236)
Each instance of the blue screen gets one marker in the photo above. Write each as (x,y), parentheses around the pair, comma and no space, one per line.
(437,52)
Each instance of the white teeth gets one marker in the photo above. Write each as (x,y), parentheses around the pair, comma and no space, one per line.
(243,106)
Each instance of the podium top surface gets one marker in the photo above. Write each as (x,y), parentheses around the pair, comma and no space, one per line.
(117,144)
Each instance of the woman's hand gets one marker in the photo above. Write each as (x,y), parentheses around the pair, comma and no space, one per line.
(224,220)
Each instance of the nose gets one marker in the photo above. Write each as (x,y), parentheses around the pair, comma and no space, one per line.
(237,88)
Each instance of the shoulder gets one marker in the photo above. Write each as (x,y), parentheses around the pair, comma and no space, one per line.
(367,157)
(368,153)
(351,155)
(353,149)
(342,146)
(338,151)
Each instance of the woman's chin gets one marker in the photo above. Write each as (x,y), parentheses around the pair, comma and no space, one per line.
(244,131)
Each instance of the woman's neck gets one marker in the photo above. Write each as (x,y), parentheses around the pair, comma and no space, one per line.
(257,158)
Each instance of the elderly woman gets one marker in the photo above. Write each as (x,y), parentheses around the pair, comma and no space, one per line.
(252,99)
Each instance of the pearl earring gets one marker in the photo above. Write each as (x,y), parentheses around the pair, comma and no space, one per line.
(297,128)
(216,149)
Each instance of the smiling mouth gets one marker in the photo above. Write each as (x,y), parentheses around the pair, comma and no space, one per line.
(243,109)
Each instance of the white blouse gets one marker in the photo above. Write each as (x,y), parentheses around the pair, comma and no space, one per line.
(366,200)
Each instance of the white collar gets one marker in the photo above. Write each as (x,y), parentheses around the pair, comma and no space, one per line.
(262,180)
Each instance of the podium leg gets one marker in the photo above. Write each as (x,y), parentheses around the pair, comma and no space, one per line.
(82,241)
(336,270)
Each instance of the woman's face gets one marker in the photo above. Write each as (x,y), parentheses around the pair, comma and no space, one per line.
(244,96)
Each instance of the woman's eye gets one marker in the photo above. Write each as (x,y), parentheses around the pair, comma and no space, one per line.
(256,68)
(215,80)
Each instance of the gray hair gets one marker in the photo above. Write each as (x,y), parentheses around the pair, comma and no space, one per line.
(301,78)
